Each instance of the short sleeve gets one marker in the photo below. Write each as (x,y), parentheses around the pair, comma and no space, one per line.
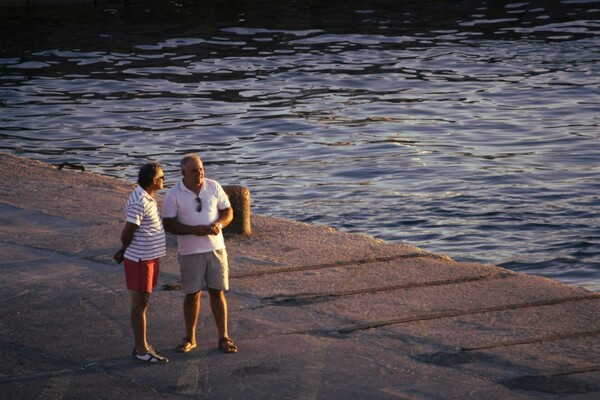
(222,198)
(169,209)
(134,213)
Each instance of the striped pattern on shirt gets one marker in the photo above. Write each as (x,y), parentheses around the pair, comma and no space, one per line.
(149,239)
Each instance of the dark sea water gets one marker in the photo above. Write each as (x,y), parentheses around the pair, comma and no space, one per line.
(468,128)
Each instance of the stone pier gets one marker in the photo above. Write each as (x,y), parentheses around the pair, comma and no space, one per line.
(316,313)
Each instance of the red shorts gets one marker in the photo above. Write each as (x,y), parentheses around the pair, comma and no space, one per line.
(142,275)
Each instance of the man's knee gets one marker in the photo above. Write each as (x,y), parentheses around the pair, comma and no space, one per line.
(139,300)
(216,294)
(193,297)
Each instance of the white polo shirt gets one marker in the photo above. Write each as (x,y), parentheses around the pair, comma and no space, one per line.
(181,203)
(149,240)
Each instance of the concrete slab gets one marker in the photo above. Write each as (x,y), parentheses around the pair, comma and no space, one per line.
(317,313)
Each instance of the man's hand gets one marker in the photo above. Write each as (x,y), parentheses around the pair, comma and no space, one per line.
(215,228)
(119,256)
(202,230)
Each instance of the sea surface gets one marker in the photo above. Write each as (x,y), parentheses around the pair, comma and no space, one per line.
(468,128)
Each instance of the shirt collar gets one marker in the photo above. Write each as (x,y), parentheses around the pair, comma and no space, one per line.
(142,192)
(184,188)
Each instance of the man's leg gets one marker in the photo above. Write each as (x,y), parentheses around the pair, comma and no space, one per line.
(139,305)
(218,305)
(191,309)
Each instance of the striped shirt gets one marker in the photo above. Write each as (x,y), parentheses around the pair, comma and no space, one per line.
(149,241)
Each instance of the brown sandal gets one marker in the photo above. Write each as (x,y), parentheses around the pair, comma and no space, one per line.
(226,345)
(185,346)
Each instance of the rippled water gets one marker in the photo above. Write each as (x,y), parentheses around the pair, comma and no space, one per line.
(467,128)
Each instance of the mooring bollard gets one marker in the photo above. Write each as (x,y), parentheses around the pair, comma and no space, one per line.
(239,197)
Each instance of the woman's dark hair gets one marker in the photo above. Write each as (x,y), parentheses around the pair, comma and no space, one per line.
(148,173)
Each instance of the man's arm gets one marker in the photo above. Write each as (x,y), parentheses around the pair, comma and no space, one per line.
(126,238)
(225,218)
(127,233)
(172,225)
(175,227)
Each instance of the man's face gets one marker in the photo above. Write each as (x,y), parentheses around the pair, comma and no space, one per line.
(159,180)
(193,173)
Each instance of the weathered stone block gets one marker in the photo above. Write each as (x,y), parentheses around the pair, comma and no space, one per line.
(239,197)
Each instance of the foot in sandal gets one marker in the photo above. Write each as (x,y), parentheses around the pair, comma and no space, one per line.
(185,346)
(226,345)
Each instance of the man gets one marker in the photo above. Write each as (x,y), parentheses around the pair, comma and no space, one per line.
(196,209)
(143,239)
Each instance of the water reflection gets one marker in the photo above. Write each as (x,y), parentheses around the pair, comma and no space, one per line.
(465,129)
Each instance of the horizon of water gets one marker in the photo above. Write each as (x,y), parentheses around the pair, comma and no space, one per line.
(464,128)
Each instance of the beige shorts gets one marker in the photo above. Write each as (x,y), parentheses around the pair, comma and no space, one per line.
(210,268)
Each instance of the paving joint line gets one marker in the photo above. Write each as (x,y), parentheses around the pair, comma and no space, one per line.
(572,371)
(532,340)
(544,376)
(441,315)
(304,299)
(334,264)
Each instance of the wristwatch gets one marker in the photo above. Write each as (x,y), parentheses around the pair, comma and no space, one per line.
(220,226)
